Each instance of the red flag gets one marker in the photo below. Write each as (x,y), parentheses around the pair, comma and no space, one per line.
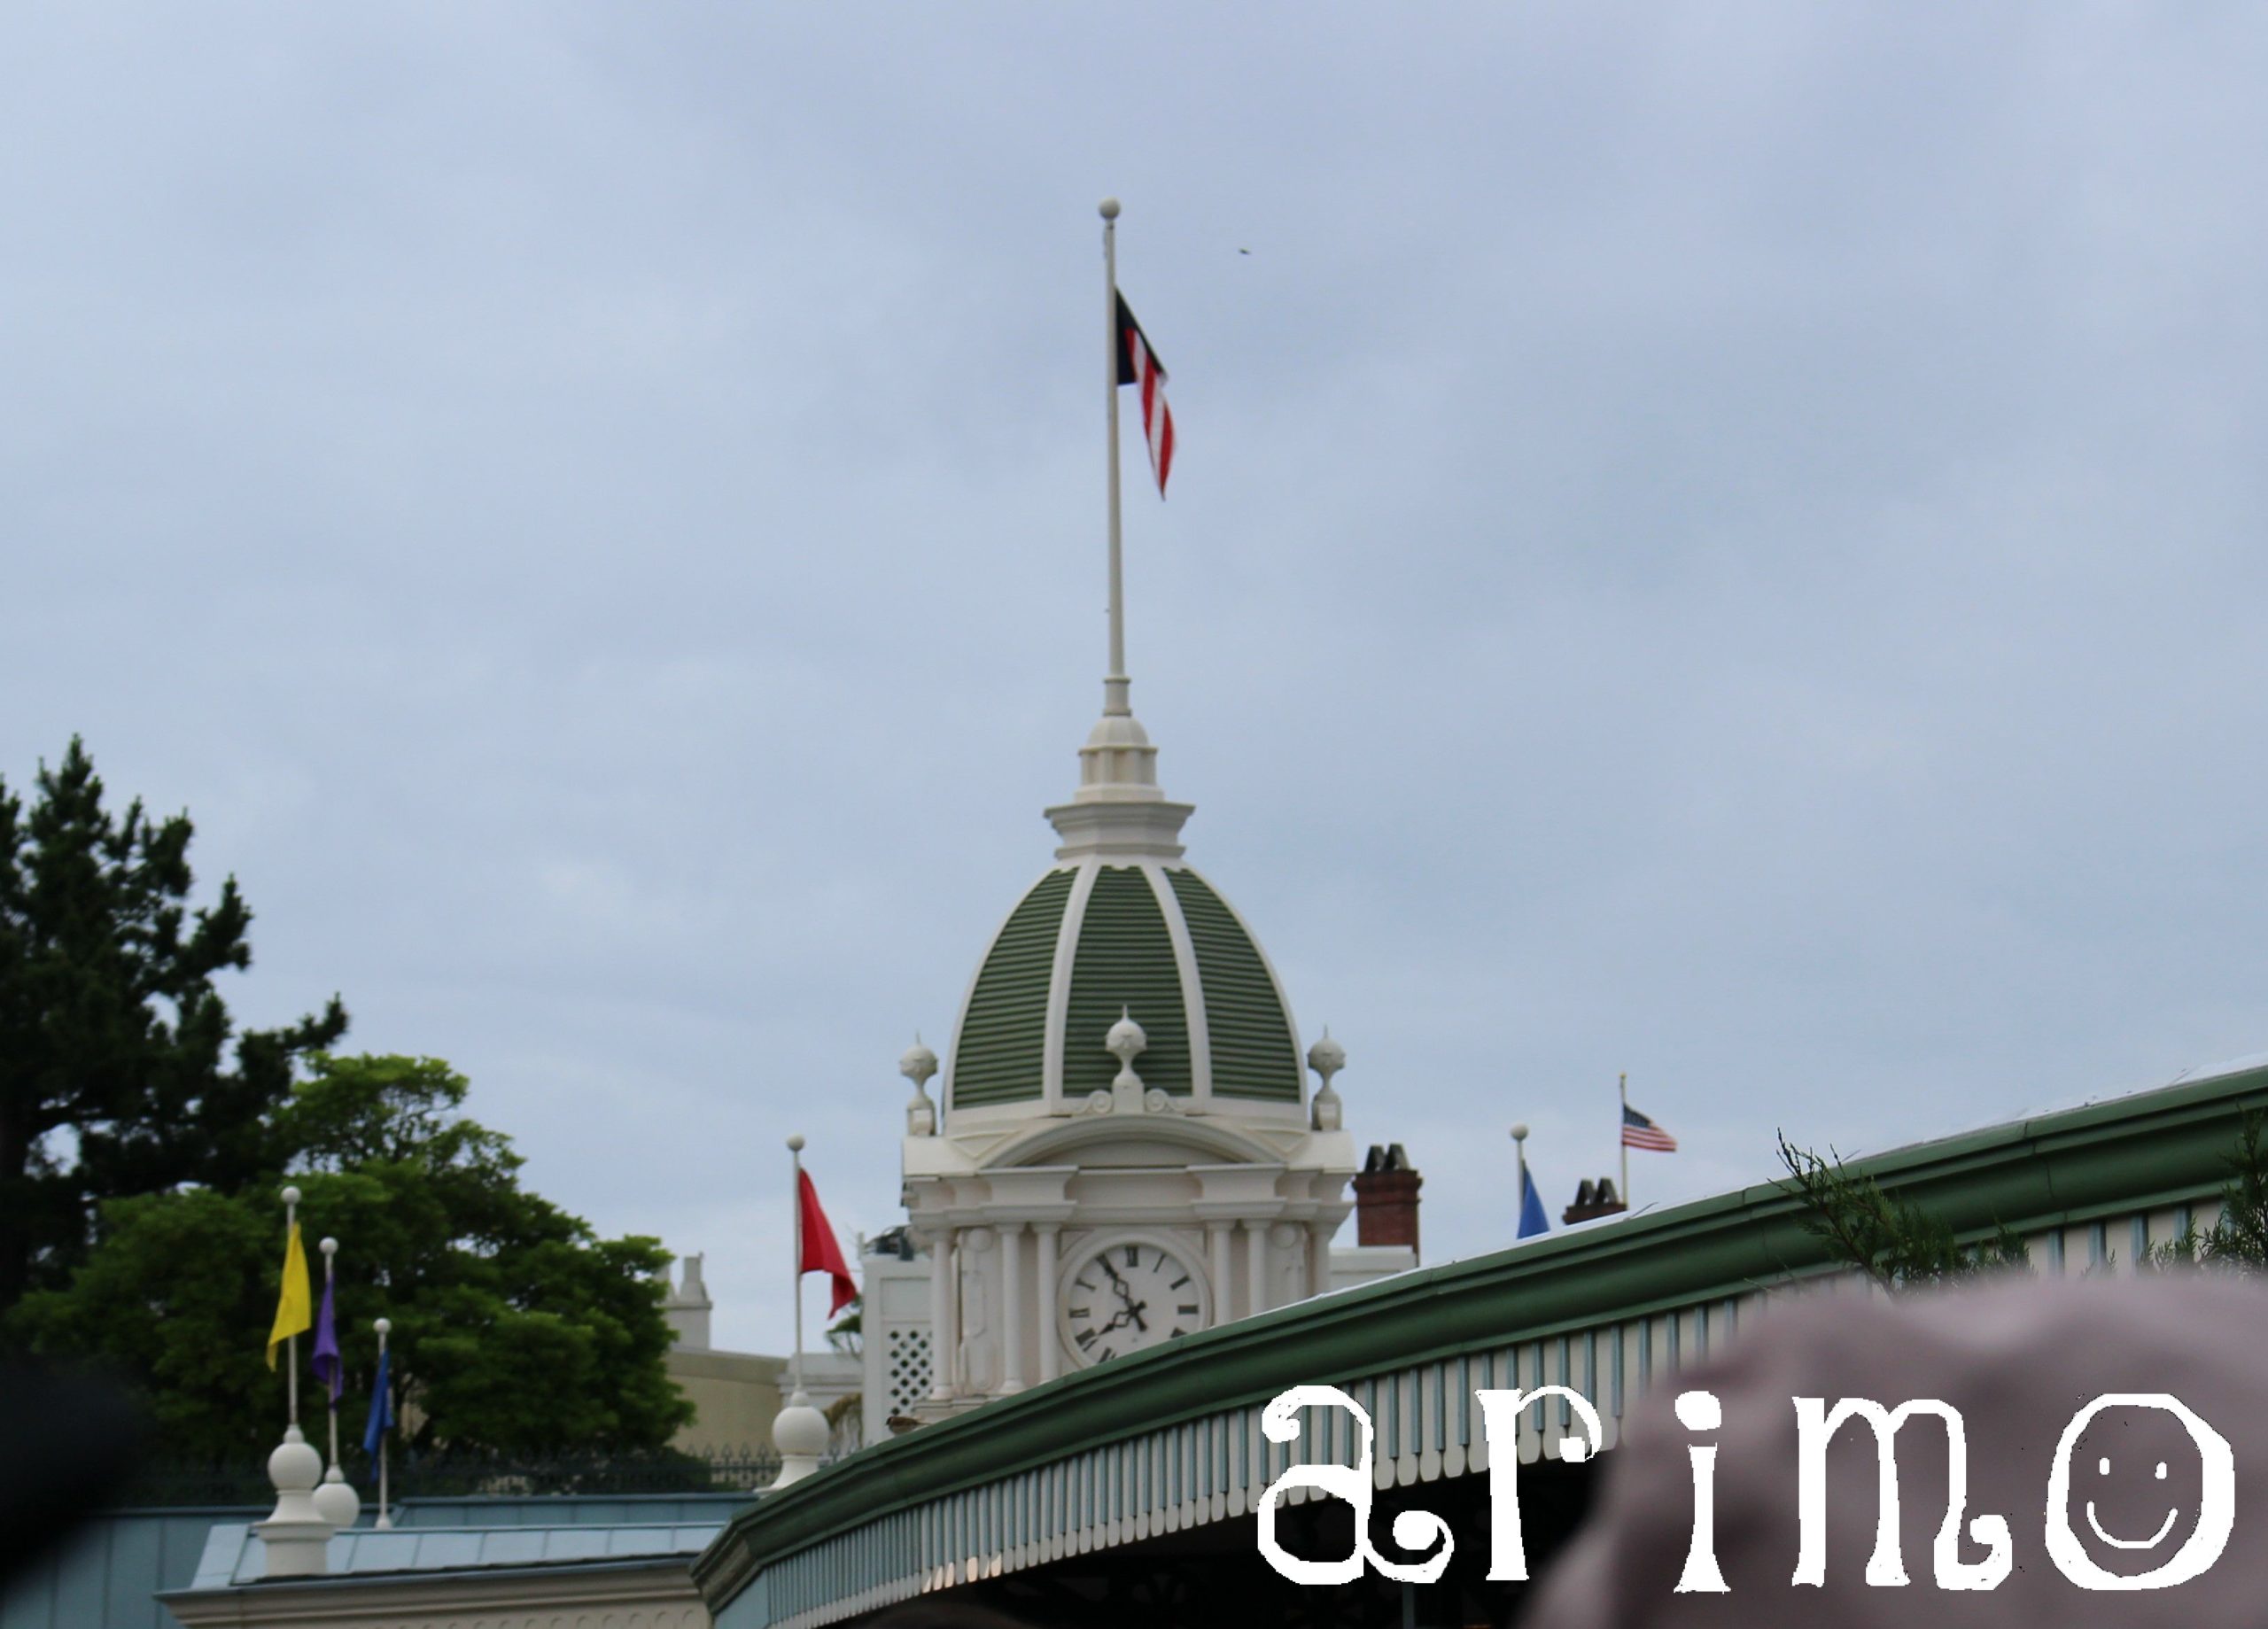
(821,1253)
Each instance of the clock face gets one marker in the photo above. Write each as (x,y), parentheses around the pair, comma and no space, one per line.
(1128,1295)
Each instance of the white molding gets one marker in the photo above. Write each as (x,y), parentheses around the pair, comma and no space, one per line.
(968,994)
(1193,987)
(1059,986)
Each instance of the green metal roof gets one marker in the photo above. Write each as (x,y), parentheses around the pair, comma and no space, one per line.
(1245,1022)
(1124,962)
(2152,1148)
(1122,926)
(1002,1046)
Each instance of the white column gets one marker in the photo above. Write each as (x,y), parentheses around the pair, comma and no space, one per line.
(1318,1258)
(1217,1237)
(945,1314)
(1255,1264)
(1011,1307)
(1051,1344)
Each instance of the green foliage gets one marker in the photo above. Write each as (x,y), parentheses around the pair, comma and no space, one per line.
(1891,1240)
(514,1329)
(115,1075)
(2237,1240)
(846,1333)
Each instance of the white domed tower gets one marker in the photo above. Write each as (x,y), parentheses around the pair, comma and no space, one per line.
(1124,1150)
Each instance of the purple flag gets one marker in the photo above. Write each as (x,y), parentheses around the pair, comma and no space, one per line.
(325,1361)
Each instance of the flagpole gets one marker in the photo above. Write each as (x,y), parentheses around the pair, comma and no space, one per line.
(329,1248)
(1622,1137)
(796,1189)
(291,1342)
(385,1523)
(1520,1141)
(1114,682)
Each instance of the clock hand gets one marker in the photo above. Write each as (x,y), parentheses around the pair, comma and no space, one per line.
(1111,1273)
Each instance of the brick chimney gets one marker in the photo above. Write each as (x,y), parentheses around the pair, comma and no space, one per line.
(1386,1199)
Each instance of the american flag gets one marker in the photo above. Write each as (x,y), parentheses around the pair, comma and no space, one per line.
(1639,1132)
(1138,365)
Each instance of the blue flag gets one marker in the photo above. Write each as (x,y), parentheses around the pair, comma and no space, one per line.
(325,1361)
(1533,1221)
(381,1406)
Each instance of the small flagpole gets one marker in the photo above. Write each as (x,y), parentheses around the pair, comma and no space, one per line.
(384,1327)
(291,1342)
(1622,1137)
(1115,683)
(330,1273)
(796,1189)
(1519,1143)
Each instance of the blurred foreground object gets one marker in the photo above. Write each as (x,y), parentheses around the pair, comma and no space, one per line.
(2021,1361)
(67,1445)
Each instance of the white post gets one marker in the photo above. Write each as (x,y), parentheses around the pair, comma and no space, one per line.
(1216,1239)
(329,1248)
(1621,1141)
(335,1501)
(796,1199)
(1255,1265)
(1114,682)
(941,1313)
(291,1342)
(1011,1307)
(798,1431)
(385,1523)
(1050,1341)
(1318,1258)
(1519,1193)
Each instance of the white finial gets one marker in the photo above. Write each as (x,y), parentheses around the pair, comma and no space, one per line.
(1327,1058)
(385,1326)
(1519,1132)
(1109,208)
(328,1247)
(1126,1039)
(918,1064)
(290,1196)
(795,1143)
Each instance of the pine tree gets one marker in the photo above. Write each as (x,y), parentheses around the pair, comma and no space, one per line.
(116,1076)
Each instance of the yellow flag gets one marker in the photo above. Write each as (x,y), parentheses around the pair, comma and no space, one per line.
(295,1306)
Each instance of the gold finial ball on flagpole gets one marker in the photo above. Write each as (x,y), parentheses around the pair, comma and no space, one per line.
(795,1143)
(1109,208)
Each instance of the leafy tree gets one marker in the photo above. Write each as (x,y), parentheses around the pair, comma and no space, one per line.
(1893,1241)
(115,1075)
(515,1328)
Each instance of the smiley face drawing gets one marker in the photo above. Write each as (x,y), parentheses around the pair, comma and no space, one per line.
(2134,1440)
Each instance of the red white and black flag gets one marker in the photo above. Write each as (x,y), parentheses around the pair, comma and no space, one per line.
(1138,365)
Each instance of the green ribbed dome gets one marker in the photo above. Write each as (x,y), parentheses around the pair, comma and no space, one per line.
(1092,939)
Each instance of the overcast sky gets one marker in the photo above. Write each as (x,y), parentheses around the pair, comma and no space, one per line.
(1722,542)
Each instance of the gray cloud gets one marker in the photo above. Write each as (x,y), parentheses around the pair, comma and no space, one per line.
(1718,542)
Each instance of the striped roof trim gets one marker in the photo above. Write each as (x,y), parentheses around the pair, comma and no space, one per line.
(1124,964)
(1253,1055)
(1000,1054)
